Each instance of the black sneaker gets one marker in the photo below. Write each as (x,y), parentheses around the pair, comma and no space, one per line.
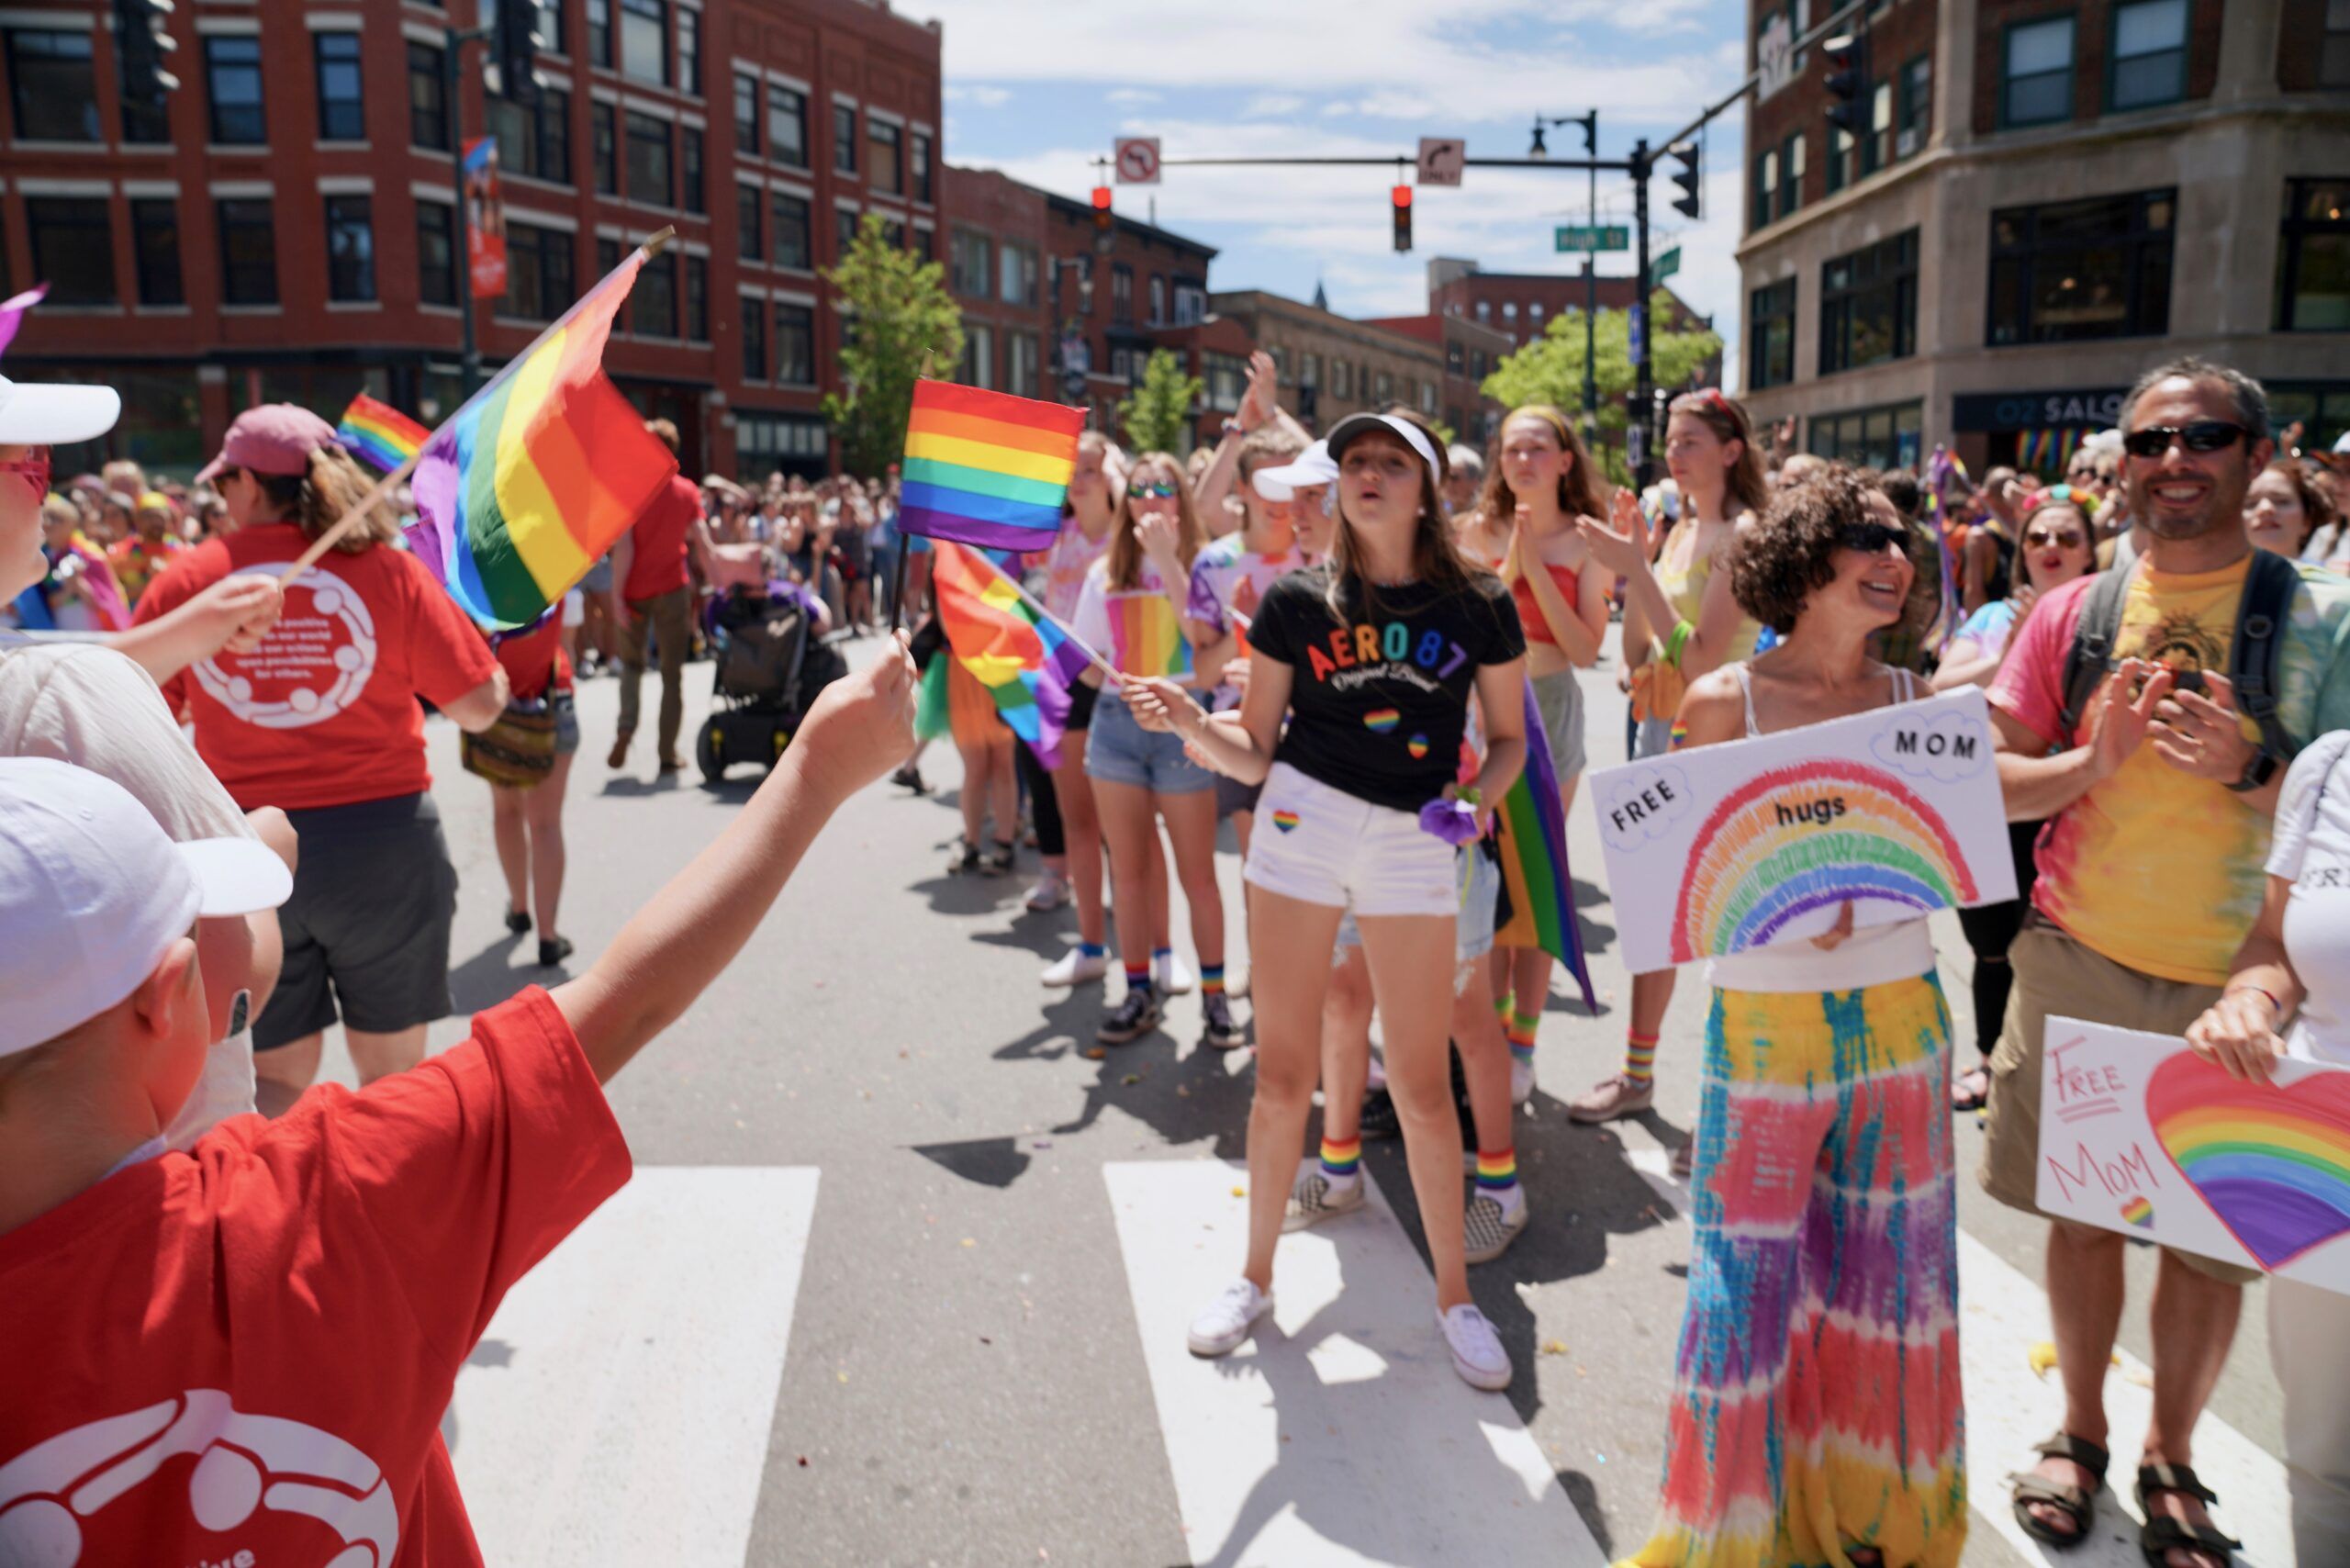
(906,777)
(554,950)
(963,861)
(517,922)
(1222,1034)
(1137,1016)
(998,860)
(1379,1118)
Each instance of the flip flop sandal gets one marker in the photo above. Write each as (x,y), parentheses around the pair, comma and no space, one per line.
(2079,1505)
(1972,1099)
(2161,1535)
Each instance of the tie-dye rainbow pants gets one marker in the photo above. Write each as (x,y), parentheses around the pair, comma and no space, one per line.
(1816,1402)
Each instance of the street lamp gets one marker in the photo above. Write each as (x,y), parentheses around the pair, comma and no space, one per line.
(1590,123)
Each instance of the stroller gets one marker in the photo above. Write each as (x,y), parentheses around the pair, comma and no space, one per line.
(769,666)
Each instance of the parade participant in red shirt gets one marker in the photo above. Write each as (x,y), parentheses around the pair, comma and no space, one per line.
(655,593)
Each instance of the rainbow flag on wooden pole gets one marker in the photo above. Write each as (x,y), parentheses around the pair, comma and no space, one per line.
(1533,842)
(986,468)
(1027,660)
(380,435)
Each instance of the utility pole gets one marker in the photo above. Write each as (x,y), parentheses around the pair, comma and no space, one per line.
(1641,430)
(1591,283)
(453,81)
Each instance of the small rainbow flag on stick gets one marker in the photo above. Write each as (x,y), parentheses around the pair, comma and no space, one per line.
(1145,639)
(380,435)
(987,469)
(1534,861)
(1022,655)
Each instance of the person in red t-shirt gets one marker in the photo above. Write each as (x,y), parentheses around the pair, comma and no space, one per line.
(322,719)
(525,758)
(244,1350)
(652,589)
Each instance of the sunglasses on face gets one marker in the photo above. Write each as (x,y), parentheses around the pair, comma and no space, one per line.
(1141,489)
(33,466)
(2198,435)
(2041,538)
(1871,538)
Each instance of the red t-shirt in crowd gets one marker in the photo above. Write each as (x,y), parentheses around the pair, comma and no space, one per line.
(324,712)
(659,540)
(242,1353)
(535,661)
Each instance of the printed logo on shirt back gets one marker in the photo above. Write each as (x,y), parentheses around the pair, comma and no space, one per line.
(313,665)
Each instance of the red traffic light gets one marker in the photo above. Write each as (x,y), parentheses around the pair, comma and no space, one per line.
(1403,196)
(1100,199)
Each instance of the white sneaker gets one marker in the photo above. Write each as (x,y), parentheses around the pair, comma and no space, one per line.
(1050,893)
(1073,968)
(1224,1322)
(1172,978)
(1315,1198)
(1521,1081)
(1477,1354)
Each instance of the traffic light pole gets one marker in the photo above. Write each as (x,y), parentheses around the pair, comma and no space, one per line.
(452,80)
(1641,427)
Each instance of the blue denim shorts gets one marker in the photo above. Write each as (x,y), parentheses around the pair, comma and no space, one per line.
(1120,751)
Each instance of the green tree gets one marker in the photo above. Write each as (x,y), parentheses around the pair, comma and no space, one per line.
(1549,369)
(1160,409)
(899,315)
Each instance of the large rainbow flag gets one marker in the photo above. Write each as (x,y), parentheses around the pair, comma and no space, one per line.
(1533,842)
(539,473)
(380,435)
(1023,657)
(986,468)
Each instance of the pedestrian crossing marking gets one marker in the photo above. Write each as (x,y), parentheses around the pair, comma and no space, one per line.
(1340,1434)
(618,1410)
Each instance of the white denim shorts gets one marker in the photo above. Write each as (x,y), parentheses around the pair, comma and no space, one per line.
(1322,846)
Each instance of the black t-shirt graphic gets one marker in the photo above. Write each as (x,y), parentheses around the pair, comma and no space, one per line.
(1379,701)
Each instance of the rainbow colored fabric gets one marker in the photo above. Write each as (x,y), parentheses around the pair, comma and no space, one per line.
(1145,639)
(1817,1400)
(539,473)
(380,435)
(1533,842)
(1024,659)
(986,468)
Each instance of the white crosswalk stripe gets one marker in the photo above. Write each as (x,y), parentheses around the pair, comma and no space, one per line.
(618,1409)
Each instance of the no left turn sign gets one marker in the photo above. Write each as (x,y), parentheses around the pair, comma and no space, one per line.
(1137,160)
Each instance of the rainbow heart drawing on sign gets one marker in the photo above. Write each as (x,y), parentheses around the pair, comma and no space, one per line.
(2140,1213)
(1285,820)
(1810,836)
(2273,1161)
(1379,720)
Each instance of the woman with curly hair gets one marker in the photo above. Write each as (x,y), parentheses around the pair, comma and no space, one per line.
(1817,1406)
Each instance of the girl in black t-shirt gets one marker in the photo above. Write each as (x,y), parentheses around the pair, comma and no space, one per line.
(1371,660)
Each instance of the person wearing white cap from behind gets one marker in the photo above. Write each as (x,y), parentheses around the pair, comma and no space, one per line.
(1306,482)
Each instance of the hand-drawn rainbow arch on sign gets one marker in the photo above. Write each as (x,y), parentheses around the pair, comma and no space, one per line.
(2272,1160)
(1754,865)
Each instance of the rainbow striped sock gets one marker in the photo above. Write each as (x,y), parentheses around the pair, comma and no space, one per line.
(1639,1058)
(1520,1030)
(1497,1173)
(1342,1161)
(1503,1005)
(1211,980)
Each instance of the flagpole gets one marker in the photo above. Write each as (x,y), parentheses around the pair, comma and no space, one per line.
(651,248)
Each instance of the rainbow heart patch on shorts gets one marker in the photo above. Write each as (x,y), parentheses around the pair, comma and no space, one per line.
(1417,746)
(1285,820)
(1379,720)
(2140,1213)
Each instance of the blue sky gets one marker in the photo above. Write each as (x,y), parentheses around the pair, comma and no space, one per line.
(1039,90)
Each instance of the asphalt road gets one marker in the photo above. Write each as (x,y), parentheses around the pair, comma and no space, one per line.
(886,1292)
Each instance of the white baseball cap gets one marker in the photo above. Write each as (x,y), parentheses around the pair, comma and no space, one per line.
(2342,445)
(93,893)
(1354,426)
(1280,482)
(55,413)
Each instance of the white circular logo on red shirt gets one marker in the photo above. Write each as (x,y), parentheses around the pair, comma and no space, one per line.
(313,665)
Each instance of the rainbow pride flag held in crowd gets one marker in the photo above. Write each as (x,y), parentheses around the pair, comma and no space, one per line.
(1023,657)
(1940,468)
(539,473)
(380,435)
(1534,861)
(1145,639)
(986,468)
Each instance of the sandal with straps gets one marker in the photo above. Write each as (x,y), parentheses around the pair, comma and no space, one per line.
(2076,1504)
(2162,1535)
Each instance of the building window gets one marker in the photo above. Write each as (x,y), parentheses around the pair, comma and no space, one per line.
(1771,315)
(795,345)
(1477,364)
(534,143)
(342,109)
(1157,301)
(350,248)
(746,114)
(690,170)
(436,253)
(977,366)
(599,33)
(649,161)
(894,233)
(56,94)
(248,252)
(921,170)
(1387,389)
(969,272)
(1191,304)
(1509,318)
(2333,50)
(926,243)
(155,251)
(2082,270)
(689,51)
(1016,275)
(2313,259)
(696,295)
(1766,188)
(1534,320)
(604,156)
(232,77)
(1843,158)
(888,156)
(546,21)
(786,126)
(538,273)
(1455,362)
(1916,118)
(608,257)
(1227,378)
(1878,152)
(427,101)
(2036,78)
(746,223)
(654,297)
(755,339)
(1485,312)
(843,139)
(1868,304)
(1024,366)
(2149,55)
(1342,379)
(843,232)
(1791,158)
(644,41)
(73,246)
(795,231)
(1870,438)
(1122,295)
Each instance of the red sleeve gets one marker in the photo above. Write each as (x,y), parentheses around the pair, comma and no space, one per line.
(447,657)
(181,579)
(2030,686)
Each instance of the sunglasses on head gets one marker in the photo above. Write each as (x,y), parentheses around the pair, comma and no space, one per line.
(2198,435)
(33,466)
(1142,488)
(1871,538)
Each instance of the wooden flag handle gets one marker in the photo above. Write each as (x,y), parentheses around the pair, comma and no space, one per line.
(350,520)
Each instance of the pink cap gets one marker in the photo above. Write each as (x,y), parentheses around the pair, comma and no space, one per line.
(274,438)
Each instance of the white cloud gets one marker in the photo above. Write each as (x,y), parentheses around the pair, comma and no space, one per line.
(1272,106)
(979,94)
(1131,96)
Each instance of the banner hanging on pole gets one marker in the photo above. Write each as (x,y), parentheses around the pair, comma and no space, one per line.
(485,219)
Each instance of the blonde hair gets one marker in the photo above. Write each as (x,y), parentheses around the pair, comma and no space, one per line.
(316,500)
(1124,559)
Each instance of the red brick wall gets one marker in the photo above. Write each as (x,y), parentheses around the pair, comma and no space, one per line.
(2092,48)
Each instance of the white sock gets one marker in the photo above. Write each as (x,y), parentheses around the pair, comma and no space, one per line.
(1512,1198)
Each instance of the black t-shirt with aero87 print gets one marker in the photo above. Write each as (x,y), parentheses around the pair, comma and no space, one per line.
(1377,702)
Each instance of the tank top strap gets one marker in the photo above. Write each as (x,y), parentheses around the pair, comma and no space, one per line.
(1746,690)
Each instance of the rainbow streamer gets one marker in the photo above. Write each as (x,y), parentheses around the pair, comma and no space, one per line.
(2272,1160)
(1145,639)
(986,468)
(1940,469)
(1023,658)
(539,473)
(379,434)
(1533,844)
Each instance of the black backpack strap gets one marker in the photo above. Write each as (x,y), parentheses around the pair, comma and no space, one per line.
(2091,658)
(2258,652)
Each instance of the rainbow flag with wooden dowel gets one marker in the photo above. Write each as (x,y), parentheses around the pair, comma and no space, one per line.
(986,468)
(380,435)
(1533,844)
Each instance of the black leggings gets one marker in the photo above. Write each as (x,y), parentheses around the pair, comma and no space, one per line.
(1989,931)
(1044,803)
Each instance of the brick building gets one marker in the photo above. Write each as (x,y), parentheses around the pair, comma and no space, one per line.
(2047,199)
(1332,366)
(1519,306)
(282,226)
(1470,352)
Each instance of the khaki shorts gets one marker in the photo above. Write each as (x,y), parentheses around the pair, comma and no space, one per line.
(2055,974)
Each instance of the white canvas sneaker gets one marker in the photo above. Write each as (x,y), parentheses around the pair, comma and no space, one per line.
(1225,1321)
(1477,1354)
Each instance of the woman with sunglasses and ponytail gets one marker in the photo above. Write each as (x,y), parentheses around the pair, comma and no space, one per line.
(1361,673)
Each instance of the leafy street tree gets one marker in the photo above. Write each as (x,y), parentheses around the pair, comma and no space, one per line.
(1160,409)
(1549,369)
(898,313)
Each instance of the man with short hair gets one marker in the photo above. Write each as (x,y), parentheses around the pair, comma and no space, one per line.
(1464,477)
(2160,790)
(655,591)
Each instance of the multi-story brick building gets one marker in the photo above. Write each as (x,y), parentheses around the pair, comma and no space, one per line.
(2047,198)
(283,225)
(1520,306)
(1332,366)
(1470,352)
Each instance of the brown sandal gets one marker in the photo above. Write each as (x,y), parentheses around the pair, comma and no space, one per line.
(2079,1505)
(2161,1534)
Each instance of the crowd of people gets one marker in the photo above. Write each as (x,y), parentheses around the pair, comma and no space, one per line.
(1330,641)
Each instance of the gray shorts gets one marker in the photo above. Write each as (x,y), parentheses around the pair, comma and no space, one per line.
(599,576)
(366,930)
(1560,697)
(1654,738)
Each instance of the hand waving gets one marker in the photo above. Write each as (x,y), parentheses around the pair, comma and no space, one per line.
(1262,397)
(2121,718)
(1620,544)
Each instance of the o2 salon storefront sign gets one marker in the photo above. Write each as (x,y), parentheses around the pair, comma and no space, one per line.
(2094,408)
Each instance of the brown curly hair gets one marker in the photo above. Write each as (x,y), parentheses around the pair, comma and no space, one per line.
(1778,563)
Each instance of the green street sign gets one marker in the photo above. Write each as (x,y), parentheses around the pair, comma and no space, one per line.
(1664,267)
(1583,237)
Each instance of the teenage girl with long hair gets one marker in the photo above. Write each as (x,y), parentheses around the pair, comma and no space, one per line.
(1371,660)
